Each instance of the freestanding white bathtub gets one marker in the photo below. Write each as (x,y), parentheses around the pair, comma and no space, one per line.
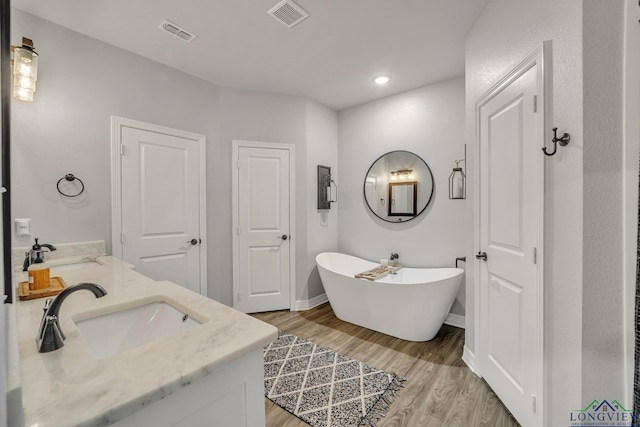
(411,304)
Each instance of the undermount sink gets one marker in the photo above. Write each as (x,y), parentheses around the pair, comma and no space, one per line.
(73,266)
(122,330)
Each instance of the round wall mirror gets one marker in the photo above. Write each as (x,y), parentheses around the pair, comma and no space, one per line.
(398,186)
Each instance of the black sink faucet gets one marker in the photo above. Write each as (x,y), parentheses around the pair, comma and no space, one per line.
(50,336)
(36,254)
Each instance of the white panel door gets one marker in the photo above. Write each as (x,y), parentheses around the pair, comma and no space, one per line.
(509,220)
(264,235)
(160,206)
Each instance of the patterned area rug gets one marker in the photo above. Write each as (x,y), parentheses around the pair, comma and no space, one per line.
(325,388)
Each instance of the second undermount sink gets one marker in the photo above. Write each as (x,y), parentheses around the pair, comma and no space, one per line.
(122,330)
(73,266)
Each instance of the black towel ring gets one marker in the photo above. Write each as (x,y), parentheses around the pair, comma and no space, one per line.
(70,177)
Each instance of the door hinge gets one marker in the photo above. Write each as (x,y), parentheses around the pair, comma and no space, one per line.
(238,164)
(535,255)
(122,149)
(533,402)
(121,237)
(535,103)
(238,231)
(239,297)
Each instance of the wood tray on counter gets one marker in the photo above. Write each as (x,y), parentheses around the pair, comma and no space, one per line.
(378,272)
(57,286)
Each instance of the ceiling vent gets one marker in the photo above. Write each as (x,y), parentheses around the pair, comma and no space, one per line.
(289,13)
(177,31)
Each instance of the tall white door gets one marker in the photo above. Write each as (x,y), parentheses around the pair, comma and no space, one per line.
(510,143)
(161,205)
(263,254)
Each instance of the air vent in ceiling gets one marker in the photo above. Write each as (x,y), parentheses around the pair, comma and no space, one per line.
(177,31)
(289,13)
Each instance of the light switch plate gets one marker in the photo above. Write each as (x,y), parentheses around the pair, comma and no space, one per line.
(23,226)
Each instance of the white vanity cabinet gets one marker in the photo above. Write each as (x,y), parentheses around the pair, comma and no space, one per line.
(208,375)
(231,396)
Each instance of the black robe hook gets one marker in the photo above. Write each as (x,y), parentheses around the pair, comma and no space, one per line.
(563,140)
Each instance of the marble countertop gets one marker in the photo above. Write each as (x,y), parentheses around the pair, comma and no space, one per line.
(70,387)
(64,253)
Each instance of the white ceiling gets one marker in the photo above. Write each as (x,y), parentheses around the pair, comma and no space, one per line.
(331,56)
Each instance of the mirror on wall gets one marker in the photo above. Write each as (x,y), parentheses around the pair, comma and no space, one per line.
(398,186)
(402,198)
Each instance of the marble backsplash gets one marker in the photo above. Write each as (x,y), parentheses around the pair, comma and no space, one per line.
(63,250)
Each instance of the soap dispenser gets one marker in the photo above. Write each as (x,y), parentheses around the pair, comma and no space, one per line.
(38,253)
(39,278)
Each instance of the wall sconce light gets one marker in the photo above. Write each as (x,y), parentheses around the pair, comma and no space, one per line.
(402,175)
(327,188)
(25,70)
(458,180)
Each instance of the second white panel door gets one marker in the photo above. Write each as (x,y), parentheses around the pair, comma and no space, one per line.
(264,235)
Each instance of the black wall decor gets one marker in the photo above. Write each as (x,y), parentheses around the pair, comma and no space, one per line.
(324,187)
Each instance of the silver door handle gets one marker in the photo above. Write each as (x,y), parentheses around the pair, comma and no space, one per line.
(482,256)
(193,242)
(283,237)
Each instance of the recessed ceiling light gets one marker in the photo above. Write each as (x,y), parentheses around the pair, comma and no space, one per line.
(381,80)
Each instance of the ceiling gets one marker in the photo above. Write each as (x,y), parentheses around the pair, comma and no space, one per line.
(330,57)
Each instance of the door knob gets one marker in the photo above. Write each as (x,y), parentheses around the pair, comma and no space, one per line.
(193,241)
(482,256)
(283,237)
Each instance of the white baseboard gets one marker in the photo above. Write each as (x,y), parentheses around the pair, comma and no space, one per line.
(470,360)
(308,304)
(456,320)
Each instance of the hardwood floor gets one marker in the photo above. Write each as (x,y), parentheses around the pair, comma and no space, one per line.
(440,390)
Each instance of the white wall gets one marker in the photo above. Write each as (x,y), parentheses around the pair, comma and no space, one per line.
(312,128)
(583,278)
(322,225)
(66,129)
(256,116)
(505,33)
(602,337)
(631,96)
(428,121)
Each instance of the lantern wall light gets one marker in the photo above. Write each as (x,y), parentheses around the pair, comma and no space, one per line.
(25,70)
(458,180)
